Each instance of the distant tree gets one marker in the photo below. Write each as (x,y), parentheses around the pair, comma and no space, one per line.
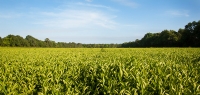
(6,41)
(33,42)
(151,40)
(191,35)
(79,45)
(169,38)
(147,40)
(19,41)
(26,43)
(49,43)
(14,41)
(156,40)
(136,43)
(1,41)
(180,33)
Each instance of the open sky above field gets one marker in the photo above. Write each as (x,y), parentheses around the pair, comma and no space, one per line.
(94,21)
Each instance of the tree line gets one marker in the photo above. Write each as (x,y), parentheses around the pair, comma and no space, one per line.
(30,41)
(187,37)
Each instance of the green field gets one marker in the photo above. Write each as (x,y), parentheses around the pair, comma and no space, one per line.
(60,71)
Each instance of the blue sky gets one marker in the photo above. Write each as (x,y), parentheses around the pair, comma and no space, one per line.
(94,21)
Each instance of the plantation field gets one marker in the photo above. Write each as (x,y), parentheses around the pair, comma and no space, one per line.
(83,71)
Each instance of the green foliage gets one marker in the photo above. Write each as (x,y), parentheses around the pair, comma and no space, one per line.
(30,41)
(6,41)
(1,41)
(166,71)
(190,36)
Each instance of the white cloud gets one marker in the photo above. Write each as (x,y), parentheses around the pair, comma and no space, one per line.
(71,18)
(79,16)
(178,13)
(128,3)
(96,6)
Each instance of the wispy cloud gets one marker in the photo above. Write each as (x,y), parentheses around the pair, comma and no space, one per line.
(128,3)
(78,18)
(96,6)
(178,13)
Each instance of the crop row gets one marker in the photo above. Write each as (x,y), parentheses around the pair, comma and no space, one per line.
(150,71)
